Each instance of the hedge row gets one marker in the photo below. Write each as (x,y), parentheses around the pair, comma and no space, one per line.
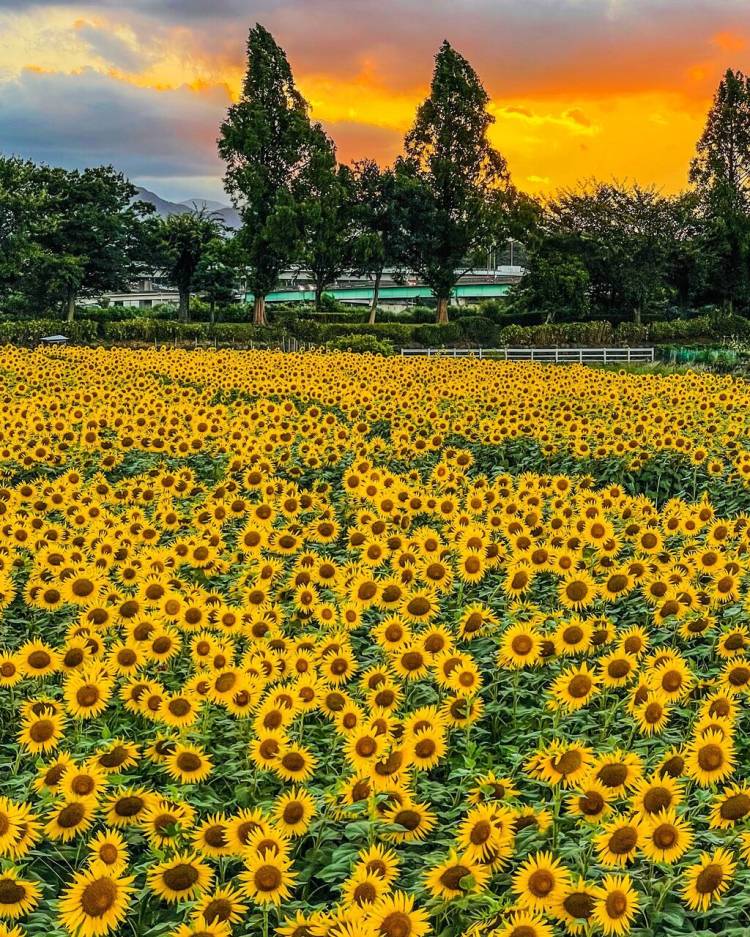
(466,331)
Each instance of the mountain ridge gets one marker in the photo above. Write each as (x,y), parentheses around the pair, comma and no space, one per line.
(164,208)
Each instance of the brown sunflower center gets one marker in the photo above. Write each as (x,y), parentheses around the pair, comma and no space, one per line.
(541,882)
(709,879)
(622,841)
(735,807)
(711,757)
(180,877)
(268,878)
(99,896)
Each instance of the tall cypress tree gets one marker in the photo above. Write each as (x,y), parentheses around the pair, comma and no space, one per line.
(265,142)
(451,178)
(721,172)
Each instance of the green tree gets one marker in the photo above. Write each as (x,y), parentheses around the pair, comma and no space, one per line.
(88,238)
(325,198)
(556,282)
(721,174)
(185,240)
(620,234)
(218,273)
(266,142)
(452,179)
(378,231)
(21,201)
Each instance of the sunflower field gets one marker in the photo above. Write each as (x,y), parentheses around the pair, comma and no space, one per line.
(328,645)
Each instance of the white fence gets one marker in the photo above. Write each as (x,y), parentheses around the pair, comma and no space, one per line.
(550,355)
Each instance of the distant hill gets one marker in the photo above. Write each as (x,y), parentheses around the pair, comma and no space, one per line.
(164,208)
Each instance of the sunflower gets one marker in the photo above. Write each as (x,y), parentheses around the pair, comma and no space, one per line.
(37,659)
(666,836)
(652,795)
(188,764)
(577,590)
(117,756)
(592,801)
(127,806)
(95,902)
(414,818)
(87,692)
(18,896)
(652,715)
(267,878)
(561,763)
(221,906)
(362,889)
(41,733)
(108,852)
(381,861)
(11,669)
(484,831)
(618,771)
(181,877)
(540,882)
(730,807)
(241,828)
(295,763)
(574,688)
(70,818)
(575,906)
(520,646)
(50,774)
(616,904)
(619,841)
(710,759)
(164,822)
(210,838)
(28,832)
(707,880)
(10,825)
(395,916)
(80,783)
(293,811)
(455,877)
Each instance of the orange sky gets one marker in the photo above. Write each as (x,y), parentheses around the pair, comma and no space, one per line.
(579,88)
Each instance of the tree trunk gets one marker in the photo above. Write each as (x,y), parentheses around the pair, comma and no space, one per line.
(212,311)
(318,298)
(259,311)
(637,315)
(184,312)
(71,307)
(375,297)
(442,310)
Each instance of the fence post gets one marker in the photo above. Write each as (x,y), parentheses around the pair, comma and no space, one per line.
(628,354)
(605,355)
(580,355)
(557,354)
(480,353)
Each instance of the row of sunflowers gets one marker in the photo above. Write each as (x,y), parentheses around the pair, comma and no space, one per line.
(326,646)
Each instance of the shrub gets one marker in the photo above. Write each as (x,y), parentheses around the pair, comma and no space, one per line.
(363,344)
(435,336)
(479,330)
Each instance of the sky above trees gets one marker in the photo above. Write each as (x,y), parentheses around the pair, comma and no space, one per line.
(606,88)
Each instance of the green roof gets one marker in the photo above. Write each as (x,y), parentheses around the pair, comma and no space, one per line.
(464,291)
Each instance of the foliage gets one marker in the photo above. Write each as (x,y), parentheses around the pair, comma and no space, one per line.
(362,344)
(452,184)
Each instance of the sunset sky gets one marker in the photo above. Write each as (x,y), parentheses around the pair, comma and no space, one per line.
(580,88)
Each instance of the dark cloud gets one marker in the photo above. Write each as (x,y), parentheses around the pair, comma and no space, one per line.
(87,119)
